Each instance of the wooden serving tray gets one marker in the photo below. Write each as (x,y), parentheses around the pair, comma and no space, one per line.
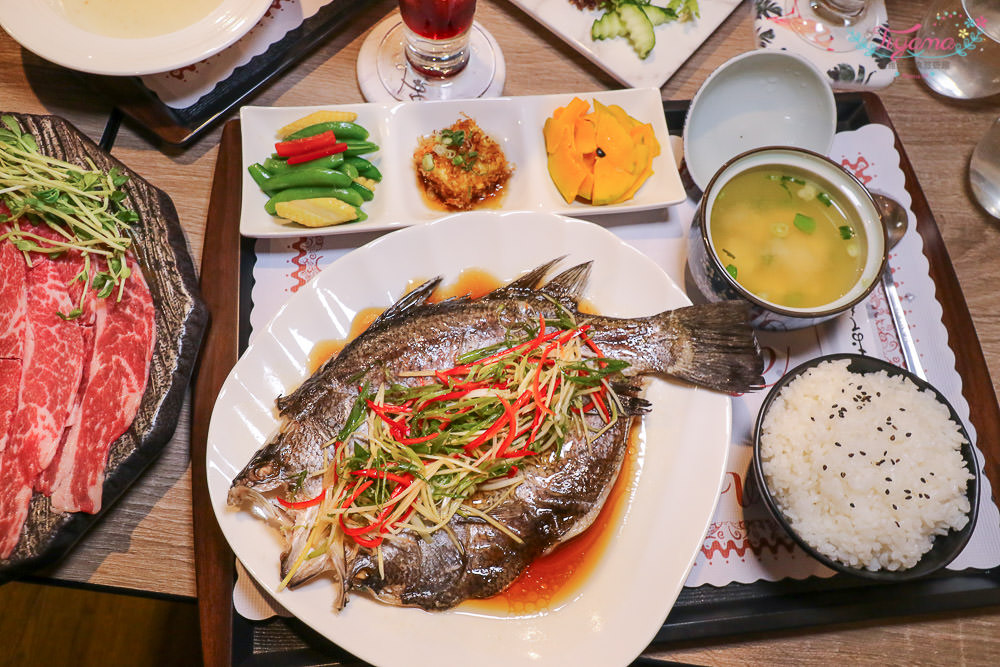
(702,612)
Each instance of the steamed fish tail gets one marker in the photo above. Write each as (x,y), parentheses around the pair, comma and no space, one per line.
(710,345)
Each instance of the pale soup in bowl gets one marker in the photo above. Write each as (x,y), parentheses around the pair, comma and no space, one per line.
(787,237)
(791,232)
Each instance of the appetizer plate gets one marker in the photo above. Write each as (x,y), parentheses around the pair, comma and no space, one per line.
(514,122)
(45,28)
(181,318)
(680,456)
(675,42)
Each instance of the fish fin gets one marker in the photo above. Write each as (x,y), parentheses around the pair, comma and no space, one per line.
(714,346)
(529,280)
(307,569)
(633,405)
(569,285)
(627,395)
(406,303)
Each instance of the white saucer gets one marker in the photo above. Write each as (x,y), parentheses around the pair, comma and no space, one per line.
(486,66)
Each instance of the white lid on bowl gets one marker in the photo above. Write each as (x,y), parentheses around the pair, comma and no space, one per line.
(757,99)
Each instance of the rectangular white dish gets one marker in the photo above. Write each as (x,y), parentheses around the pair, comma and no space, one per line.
(514,122)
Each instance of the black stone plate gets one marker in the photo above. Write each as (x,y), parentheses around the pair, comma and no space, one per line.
(181,317)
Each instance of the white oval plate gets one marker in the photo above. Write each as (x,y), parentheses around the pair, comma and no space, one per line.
(42,27)
(514,122)
(681,459)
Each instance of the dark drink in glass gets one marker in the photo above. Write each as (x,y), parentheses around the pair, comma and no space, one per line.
(437,35)
(437,19)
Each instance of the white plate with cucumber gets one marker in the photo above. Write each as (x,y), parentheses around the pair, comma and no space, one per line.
(647,40)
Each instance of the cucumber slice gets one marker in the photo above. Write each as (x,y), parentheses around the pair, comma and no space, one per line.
(658,15)
(638,28)
(608,26)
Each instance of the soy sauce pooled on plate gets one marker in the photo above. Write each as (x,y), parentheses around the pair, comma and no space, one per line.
(787,237)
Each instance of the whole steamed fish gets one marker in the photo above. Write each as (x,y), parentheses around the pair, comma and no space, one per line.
(370,513)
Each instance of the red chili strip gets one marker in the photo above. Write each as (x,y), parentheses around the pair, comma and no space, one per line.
(415,441)
(305,144)
(536,422)
(348,530)
(393,499)
(526,346)
(511,413)
(365,542)
(518,453)
(381,412)
(539,403)
(304,503)
(373,473)
(315,155)
(404,409)
(601,407)
(488,433)
(593,346)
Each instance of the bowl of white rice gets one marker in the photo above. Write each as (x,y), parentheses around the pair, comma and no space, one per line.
(867,467)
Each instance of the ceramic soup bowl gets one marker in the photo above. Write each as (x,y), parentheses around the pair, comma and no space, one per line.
(717,280)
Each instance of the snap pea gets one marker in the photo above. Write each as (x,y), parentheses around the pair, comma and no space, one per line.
(365,193)
(276,164)
(365,168)
(293,194)
(300,178)
(259,175)
(355,148)
(342,129)
(373,173)
(350,170)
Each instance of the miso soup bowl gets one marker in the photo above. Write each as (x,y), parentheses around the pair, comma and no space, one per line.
(716,284)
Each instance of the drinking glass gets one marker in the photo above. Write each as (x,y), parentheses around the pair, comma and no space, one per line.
(984,171)
(431,50)
(957,49)
(437,35)
(834,25)
(841,13)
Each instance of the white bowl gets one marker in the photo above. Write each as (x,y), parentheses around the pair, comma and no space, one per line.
(44,28)
(757,99)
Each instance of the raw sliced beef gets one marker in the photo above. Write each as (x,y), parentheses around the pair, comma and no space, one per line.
(13,300)
(10,385)
(46,480)
(52,364)
(11,496)
(124,333)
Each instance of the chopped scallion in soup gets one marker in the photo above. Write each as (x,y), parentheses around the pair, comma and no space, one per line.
(787,238)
